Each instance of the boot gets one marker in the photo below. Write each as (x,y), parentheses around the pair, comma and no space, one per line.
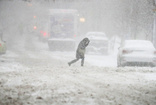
(82,62)
(73,61)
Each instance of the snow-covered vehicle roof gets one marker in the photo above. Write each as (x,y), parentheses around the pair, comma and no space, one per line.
(97,35)
(138,45)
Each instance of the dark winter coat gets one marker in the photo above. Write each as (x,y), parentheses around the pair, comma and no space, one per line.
(82,48)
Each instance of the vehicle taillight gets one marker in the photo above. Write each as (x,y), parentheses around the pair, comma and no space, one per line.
(44,34)
(126,51)
(35,27)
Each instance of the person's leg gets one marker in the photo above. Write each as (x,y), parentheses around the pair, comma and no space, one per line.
(73,61)
(82,61)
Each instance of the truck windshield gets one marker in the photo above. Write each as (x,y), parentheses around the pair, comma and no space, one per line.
(62,25)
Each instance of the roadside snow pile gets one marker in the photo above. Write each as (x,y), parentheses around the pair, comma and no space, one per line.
(89,85)
(150,76)
(8,64)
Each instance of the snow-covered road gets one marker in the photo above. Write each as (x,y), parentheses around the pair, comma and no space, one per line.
(41,77)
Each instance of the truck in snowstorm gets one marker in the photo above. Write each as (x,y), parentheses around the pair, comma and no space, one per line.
(62,29)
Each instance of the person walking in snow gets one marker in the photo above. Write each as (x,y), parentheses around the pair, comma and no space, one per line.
(80,52)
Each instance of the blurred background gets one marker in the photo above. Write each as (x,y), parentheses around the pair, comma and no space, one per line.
(127,19)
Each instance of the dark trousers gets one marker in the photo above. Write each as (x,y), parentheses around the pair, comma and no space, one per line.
(75,60)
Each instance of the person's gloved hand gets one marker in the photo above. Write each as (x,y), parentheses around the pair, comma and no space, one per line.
(87,43)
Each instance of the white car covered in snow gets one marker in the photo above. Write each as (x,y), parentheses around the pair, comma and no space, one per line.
(99,43)
(136,53)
